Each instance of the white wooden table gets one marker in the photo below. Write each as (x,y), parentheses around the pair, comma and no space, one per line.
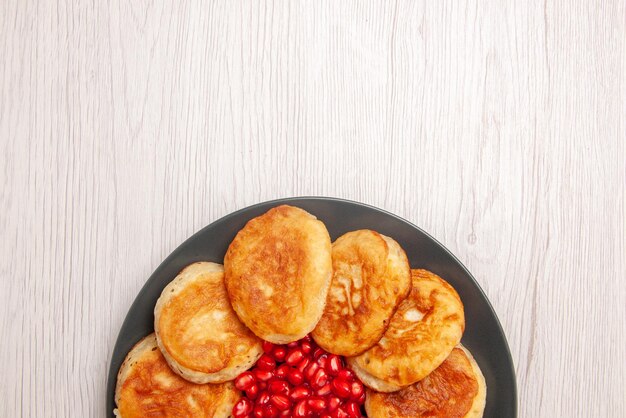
(500,128)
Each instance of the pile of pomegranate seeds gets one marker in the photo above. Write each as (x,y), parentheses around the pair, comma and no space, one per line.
(299,380)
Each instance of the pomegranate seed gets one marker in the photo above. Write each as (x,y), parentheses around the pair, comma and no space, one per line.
(242,408)
(333,403)
(356,390)
(293,344)
(361,399)
(244,381)
(295,377)
(278,386)
(353,409)
(320,378)
(323,360)
(282,371)
(268,346)
(270,411)
(306,338)
(258,411)
(294,357)
(317,404)
(265,362)
(262,385)
(301,410)
(300,392)
(341,388)
(306,347)
(340,413)
(279,353)
(263,375)
(324,390)
(280,401)
(310,370)
(345,374)
(325,416)
(317,352)
(303,363)
(334,365)
(252,391)
(264,398)
(285,413)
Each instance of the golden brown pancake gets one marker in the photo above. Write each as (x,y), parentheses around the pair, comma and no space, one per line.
(197,330)
(147,387)
(421,334)
(278,271)
(371,276)
(456,389)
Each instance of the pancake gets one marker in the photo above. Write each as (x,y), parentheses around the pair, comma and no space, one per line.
(371,276)
(423,331)
(197,330)
(147,387)
(456,389)
(278,270)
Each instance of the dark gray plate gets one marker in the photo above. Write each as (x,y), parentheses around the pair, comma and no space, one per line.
(483,335)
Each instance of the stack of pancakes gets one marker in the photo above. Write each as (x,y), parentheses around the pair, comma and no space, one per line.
(399,329)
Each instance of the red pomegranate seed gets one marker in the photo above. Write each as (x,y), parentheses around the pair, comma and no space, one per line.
(323,360)
(264,398)
(278,386)
(303,363)
(345,374)
(361,399)
(281,402)
(279,353)
(263,375)
(306,347)
(324,390)
(293,344)
(307,338)
(294,357)
(317,352)
(310,370)
(320,378)
(244,381)
(252,391)
(265,362)
(325,416)
(317,404)
(300,392)
(356,390)
(352,409)
(282,371)
(270,411)
(333,365)
(262,385)
(333,403)
(268,347)
(242,408)
(340,413)
(341,388)
(295,377)
(301,410)
(258,411)
(285,413)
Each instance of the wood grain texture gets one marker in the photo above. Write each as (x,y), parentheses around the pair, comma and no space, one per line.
(499,127)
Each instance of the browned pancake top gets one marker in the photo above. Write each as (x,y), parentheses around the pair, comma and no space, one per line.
(448,391)
(151,389)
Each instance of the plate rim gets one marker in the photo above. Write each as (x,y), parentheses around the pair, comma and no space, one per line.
(112,376)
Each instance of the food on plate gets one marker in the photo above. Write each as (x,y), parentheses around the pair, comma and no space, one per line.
(146,386)
(456,389)
(371,276)
(277,273)
(299,380)
(423,331)
(197,330)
